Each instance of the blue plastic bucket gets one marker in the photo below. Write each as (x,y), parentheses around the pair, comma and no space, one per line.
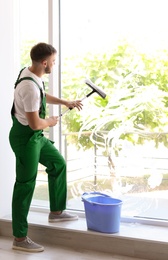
(102,212)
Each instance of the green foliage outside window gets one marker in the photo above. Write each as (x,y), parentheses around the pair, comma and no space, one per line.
(136,87)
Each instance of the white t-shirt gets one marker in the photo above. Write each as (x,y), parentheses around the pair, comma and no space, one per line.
(27,96)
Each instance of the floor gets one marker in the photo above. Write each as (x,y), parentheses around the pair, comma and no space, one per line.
(54,253)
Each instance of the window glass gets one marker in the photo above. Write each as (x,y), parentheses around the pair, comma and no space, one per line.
(34,29)
(33,26)
(117,145)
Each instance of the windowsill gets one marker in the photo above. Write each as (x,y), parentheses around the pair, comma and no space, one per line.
(127,229)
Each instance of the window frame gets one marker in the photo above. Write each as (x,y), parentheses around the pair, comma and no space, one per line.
(54,36)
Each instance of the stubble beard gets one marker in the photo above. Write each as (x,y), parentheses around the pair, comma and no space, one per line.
(47,70)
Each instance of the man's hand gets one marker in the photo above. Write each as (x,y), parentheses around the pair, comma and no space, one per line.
(37,123)
(53,120)
(72,104)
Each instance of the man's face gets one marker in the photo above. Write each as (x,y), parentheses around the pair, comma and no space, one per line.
(50,63)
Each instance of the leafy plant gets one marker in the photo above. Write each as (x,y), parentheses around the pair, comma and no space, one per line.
(136,88)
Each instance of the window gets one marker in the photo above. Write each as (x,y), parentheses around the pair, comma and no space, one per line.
(33,29)
(117,145)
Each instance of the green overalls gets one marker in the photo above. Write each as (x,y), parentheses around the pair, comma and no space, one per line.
(30,148)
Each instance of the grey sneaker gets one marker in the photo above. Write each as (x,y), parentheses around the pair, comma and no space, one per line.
(64,216)
(27,245)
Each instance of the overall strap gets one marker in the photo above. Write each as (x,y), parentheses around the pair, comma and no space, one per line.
(27,78)
(19,76)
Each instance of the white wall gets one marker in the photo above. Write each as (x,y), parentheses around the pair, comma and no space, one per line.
(7,78)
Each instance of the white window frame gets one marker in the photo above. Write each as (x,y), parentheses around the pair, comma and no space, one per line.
(54,36)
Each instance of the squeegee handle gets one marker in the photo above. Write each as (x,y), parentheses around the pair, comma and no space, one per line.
(70,108)
(89,94)
(65,112)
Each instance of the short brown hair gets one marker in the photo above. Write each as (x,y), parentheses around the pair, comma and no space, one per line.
(41,51)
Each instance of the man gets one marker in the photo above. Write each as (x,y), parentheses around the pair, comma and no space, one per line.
(31,147)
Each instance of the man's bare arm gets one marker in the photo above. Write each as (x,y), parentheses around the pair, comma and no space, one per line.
(37,123)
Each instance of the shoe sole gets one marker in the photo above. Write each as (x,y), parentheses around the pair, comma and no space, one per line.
(28,250)
(63,219)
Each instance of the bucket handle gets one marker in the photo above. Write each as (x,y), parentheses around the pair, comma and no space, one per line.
(97,193)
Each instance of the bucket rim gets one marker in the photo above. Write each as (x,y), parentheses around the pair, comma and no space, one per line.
(104,205)
(84,199)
